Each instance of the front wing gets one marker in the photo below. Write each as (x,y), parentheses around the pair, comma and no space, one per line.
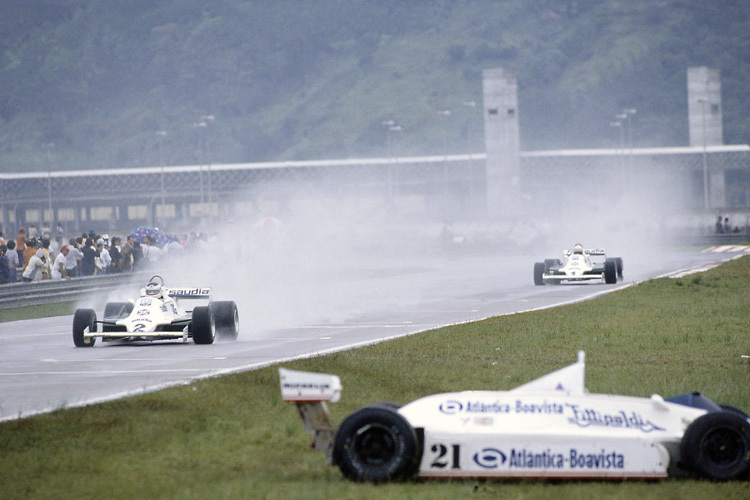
(178,328)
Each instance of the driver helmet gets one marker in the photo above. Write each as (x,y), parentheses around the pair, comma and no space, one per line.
(578,248)
(153,288)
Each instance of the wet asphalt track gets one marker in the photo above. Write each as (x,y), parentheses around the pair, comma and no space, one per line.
(41,370)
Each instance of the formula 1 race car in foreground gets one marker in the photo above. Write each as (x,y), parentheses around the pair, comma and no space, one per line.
(157,315)
(548,428)
(579,264)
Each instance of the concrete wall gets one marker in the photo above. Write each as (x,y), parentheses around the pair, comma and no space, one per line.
(502,142)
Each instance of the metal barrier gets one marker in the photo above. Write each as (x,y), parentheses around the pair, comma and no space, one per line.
(55,291)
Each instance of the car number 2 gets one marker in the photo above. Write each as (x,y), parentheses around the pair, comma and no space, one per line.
(139,327)
(443,457)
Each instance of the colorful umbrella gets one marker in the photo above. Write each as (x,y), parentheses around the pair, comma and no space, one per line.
(159,237)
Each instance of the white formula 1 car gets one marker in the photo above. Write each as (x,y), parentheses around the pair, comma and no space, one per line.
(157,315)
(579,264)
(548,428)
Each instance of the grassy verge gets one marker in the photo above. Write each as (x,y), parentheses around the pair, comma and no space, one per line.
(43,311)
(233,437)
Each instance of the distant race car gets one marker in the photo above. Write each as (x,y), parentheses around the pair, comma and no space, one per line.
(548,428)
(157,315)
(579,264)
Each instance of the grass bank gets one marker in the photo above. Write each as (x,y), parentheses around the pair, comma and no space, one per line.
(233,437)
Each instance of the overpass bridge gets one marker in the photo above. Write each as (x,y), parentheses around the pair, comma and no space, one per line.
(710,180)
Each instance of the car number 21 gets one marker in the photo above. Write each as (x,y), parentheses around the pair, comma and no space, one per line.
(445,457)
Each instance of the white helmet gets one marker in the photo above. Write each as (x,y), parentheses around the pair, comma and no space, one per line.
(153,288)
(578,248)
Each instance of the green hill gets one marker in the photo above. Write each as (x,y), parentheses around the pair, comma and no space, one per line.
(86,84)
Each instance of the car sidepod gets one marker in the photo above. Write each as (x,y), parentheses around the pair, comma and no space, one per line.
(504,434)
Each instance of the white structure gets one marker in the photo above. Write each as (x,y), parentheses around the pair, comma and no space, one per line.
(502,142)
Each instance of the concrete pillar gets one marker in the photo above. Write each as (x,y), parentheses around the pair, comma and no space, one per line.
(502,142)
(704,106)
(705,123)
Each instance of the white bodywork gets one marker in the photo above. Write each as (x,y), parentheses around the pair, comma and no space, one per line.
(152,312)
(550,427)
(579,266)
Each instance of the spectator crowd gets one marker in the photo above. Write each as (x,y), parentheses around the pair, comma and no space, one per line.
(41,255)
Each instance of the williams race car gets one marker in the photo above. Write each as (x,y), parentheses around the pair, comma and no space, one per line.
(157,315)
(548,428)
(579,264)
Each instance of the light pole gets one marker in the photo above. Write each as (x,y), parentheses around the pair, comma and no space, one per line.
(48,147)
(391,127)
(160,134)
(200,126)
(469,104)
(207,119)
(446,113)
(703,103)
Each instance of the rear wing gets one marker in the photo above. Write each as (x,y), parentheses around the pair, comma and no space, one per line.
(189,293)
(310,392)
(586,251)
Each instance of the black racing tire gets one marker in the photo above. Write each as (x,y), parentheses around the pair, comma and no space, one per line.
(539,273)
(610,272)
(717,446)
(735,410)
(619,264)
(227,319)
(203,325)
(376,444)
(84,319)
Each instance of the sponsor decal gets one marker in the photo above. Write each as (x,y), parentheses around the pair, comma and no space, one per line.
(188,291)
(145,302)
(489,458)
(306,385)
(454,407)
(585,417)
(492,458)
(143,312)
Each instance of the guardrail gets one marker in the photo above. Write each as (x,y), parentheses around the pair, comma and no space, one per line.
(54,291)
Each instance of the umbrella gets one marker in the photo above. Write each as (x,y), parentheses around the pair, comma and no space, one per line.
(159,237)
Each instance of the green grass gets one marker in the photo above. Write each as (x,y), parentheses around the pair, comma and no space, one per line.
(233,437)
(43,311)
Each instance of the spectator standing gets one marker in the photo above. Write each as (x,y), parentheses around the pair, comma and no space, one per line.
(4,269)
(60,234)
(151,252)
(2,239)
(29,251)
(46,231)
(114,253)
(60,267)
(33,232)
(137,255)
(103,259)
(727,225)
(72,258)
(21,244)
(49,254)
(13,262)
(35,267)
(126,254)
(88,261)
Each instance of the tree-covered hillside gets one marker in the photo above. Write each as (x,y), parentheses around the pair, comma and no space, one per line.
(88,83)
